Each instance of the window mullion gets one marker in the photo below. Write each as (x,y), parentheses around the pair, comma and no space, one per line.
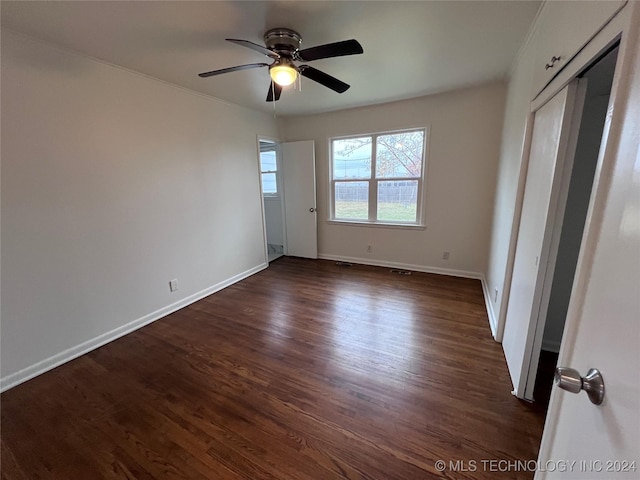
(373,183)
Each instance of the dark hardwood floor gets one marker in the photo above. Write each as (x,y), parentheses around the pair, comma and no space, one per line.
(307,370)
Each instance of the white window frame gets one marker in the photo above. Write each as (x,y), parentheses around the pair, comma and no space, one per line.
(271,146)
(373,184)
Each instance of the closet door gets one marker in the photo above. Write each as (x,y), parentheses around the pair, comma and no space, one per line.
(549,142)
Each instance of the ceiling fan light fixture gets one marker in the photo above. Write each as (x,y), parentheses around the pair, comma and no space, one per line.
(283,74)
(282,46)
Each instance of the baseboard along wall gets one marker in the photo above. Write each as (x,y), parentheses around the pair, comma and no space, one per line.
(74,352)
(65,356)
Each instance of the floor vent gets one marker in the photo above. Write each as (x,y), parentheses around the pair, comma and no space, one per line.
(344,264)
(400,272)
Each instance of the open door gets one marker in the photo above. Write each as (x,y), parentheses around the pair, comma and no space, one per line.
(603,321)
(299,185)
(552,145)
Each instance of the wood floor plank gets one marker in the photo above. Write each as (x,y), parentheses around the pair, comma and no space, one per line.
(306,370)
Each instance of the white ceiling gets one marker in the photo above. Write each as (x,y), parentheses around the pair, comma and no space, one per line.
(410,48)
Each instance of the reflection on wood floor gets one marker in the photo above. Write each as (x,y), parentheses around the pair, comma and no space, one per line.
(307,370)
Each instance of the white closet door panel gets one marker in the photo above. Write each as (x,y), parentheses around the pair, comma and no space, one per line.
(549,137)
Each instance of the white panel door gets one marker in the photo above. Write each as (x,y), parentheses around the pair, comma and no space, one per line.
(548,146)
(299,184)
(603,321)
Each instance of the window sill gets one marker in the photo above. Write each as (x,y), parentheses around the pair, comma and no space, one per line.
(402,226)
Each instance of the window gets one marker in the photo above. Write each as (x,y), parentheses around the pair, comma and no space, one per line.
(269,168)
(378,178)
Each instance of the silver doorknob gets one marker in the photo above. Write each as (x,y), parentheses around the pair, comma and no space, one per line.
(312,209)
(570,380)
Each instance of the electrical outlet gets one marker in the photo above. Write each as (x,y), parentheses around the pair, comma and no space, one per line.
(495,294)
(445,255)
(369,249)
(173,285)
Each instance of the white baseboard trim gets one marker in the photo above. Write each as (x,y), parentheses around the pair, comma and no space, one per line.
(403,266)
(493,320)
(65,356)
(551,345)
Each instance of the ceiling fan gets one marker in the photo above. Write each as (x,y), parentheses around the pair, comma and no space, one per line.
(282,45)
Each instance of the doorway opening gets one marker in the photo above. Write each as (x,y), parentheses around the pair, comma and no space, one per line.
(272,198)
(599,81)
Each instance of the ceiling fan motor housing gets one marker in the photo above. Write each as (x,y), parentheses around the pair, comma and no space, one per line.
(284,41)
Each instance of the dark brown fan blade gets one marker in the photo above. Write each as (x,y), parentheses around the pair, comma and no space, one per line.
(254,46)
(274,89)
(232,69)
(338,49)
(323,78)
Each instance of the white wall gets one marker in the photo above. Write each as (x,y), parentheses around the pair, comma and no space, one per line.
(465,127)
(112,184)
(509,170)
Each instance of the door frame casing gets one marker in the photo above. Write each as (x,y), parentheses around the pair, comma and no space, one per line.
(263,138)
